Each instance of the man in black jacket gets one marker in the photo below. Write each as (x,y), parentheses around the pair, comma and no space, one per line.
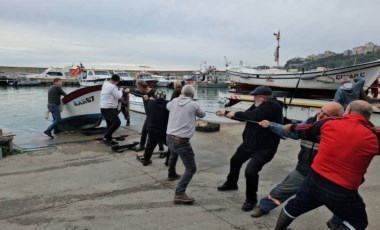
(259,144)
(158,117)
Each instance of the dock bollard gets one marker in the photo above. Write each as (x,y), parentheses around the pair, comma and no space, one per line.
(206,126)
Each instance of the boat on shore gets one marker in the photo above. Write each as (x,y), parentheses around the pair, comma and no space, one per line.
(81,109)
(319,83)
(298,109)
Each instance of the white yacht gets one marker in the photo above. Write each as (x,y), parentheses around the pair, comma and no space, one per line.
(52,73)
(89,77)
(125,78)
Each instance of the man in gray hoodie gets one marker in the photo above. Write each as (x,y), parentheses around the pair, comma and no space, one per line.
(349,91)
(181,126)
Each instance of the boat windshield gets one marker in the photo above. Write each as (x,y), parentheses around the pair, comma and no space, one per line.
(123,74)
(145,77)
(100,72)
(53,73)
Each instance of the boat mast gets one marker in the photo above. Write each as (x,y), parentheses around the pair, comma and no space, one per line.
(277,52)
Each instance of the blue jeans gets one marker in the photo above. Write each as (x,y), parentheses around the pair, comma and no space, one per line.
(56,113)
(317,191)
(181,148)
(283,191)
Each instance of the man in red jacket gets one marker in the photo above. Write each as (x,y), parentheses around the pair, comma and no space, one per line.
(347,146)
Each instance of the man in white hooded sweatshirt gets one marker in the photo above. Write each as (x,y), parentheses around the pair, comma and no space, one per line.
(181,126)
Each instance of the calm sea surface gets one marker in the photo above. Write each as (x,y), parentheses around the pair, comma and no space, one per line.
(22,110)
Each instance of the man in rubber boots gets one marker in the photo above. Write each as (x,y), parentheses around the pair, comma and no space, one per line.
(347,147)
(292,182)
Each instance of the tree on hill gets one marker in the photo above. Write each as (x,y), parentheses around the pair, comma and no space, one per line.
(335,61)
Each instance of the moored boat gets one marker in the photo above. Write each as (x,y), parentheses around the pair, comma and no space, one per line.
(147,77)
(125,79)
(25,82)
(52,73)
(162,81)
(320,83)
(90,77)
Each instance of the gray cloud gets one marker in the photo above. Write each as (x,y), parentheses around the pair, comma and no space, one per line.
(179,34)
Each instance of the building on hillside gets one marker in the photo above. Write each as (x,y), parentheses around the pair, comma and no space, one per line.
(347,52)
(328,53)
(311,57)
(369,47)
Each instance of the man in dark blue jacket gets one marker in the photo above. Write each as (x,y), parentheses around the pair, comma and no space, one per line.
(259,144)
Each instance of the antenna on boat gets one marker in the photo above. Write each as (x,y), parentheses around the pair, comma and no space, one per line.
(225,58)
(277,51)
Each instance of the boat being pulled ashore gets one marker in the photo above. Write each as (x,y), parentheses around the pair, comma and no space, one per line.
(81,109)
(319,83)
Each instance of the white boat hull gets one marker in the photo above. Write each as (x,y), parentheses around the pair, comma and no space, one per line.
(321,82)
(299,109)
(81,109)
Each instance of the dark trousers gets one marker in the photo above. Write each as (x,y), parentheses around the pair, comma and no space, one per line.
(112,120)
(154,139)
(181,148)
(144,135)
(259,159)
(125,111)
(317,191)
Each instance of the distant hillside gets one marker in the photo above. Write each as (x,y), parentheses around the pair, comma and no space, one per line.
(336,61)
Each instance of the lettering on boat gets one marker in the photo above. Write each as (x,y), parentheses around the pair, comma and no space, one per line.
(350,76)
(84,101)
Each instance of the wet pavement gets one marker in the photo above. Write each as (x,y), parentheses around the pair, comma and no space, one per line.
(78,183)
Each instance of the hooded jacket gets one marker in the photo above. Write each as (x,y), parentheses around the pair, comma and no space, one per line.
(256,137)
(183,111)
(349,92)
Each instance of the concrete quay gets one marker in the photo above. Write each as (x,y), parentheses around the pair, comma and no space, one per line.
(78,183)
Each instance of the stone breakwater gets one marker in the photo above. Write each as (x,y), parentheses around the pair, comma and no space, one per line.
(8,70)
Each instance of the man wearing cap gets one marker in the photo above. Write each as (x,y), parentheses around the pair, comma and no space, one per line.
(158,117)
(259,144)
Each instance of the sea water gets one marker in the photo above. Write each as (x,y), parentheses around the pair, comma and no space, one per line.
(22,110)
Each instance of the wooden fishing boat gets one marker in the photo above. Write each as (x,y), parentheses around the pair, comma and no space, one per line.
(81,109)
(319,83)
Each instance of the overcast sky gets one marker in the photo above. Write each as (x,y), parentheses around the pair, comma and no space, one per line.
(179,34)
